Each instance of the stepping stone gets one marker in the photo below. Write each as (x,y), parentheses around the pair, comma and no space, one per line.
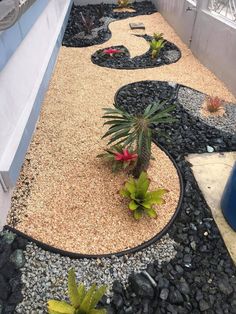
(136,25)
(211,170)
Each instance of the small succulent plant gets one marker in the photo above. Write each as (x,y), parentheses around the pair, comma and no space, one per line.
(121,158)
(142,201)
(123,3)
(213,104)
(82,301)
(158,36)
(88,23)
(156,46)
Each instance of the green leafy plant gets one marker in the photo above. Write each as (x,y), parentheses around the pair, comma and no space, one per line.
(121,158)
(156,46)
(137,130)
(123,3)
(158,36)
(142,201)
(82,301)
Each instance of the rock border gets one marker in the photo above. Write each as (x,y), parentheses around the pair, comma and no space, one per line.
(125,62)
(101,33)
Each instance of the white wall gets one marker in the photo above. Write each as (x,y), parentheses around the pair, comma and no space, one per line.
(28,47)
(214,44)
(213,37)
(178,16)
(29,51)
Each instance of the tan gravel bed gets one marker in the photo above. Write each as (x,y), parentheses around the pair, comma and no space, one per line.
(86,214)
(73,201)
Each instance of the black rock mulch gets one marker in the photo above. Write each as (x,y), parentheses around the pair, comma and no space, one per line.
(170,53)
(11,260)
(202,277)
(99,11)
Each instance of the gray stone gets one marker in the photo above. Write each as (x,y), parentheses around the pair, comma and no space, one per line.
(164,294)
(225,287)
(210,149)
(17,257)
(141,286)
(8,237)
(203,305)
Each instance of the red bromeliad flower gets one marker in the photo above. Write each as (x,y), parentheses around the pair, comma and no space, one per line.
(125,156)
(111,51)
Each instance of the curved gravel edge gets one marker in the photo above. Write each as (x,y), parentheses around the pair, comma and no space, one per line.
(44,275)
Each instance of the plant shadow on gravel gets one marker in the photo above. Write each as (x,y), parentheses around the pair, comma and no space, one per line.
(201,278)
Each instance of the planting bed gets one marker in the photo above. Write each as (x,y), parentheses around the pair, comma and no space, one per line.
(97,218)
(103,16)
(169,54)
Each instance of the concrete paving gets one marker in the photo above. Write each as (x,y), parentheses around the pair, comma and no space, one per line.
(211,171)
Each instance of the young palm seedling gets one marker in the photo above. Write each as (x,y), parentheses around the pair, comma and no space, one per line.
(142,201)
(129,130)
(82,301)
(156,46)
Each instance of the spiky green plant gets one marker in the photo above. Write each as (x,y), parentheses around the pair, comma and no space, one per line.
(156,46)
(82,301)
(136,130)
(158,36)
(142,201)
(123,3)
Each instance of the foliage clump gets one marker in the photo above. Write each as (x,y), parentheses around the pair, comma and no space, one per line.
(82,301)
(156,46)
(121,158)
(142,201)
(213,104)
(123,3)
(129,130)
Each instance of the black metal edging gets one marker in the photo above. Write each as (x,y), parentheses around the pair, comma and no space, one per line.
(118,254)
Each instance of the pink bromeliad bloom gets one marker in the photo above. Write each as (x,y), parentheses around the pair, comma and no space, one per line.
(126,156)
(111,51)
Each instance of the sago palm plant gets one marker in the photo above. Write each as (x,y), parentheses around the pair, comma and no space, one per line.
(129,130)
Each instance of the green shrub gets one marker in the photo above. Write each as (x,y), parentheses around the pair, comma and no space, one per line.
(82,301)
(142,201)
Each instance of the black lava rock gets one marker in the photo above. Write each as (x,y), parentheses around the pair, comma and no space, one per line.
(141,286)
(11,247)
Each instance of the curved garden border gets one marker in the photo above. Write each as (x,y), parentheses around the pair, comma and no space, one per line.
(123,61)
(215,123)
(118,254)
(102,27)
